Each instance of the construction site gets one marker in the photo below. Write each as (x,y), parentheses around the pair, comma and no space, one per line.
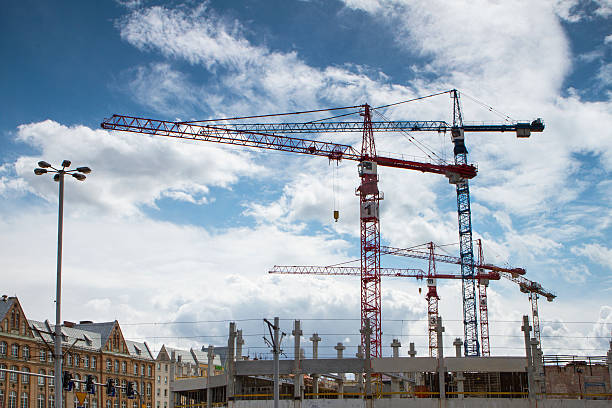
(470,377)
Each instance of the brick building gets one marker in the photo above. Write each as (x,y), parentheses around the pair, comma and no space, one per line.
(97,349)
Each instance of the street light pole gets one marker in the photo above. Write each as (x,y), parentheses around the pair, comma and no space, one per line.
(79,174)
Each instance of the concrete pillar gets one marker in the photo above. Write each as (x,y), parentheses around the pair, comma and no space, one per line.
(395,382)
(298,379)
(231,356)
(459,374)
(366,331)
(210,371)
(315,355)
(526,328)
(610,366)
(359,375)
(441,368)
(340,348)
(239,344)
(416,377)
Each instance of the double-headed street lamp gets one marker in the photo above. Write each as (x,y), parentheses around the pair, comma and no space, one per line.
(58,175)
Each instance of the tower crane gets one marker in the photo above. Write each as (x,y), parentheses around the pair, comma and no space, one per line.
(272,136)
(533,289)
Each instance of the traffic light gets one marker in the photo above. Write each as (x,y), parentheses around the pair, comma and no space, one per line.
(110,387)
(90,387)
(67,381)
(130,390)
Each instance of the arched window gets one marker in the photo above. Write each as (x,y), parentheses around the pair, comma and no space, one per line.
(25,378)
(25,402)
(40,401)
(2,348)
(13,377)
(12,399)
(41,380)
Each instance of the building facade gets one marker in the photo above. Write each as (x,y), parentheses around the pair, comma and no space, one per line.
(96,349)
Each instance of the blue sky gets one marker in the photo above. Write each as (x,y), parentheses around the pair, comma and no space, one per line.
(169,231)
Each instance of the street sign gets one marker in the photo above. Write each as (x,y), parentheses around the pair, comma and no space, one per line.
(80,396)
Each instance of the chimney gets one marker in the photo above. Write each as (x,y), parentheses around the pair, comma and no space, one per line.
(86,322)
(68,324)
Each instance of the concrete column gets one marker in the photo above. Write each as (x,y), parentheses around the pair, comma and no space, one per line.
(231,356)
(416,377)
(441,368)
(239,344)
(610,366)
(210,371)
(359,375)
(340,348)
(298,379)
(459,374)
(315,355)
(367,333)
(395,382)
(526,328)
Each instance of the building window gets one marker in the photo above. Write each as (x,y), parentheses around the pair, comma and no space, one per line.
(165,404)
(123,404)
(41,380)
(2,398)
(51,400)
(12,399)
(25,378)
(76,360)
(2,348)
(148,405)
(94,403)
(26,353)
(2,374)
(109,364)
(157,404)
(108,403)
(166,392)
(116,366)
(142,370)
(135,404)
(148,389)
(93,363)
(86,361)
(123,367)
(135,369)
(165,380)
(149,371)
(159,379)
(69,362)
(41,401)
(77,384)
(166,367)
(42,355)
(15,350)
(51,382)
(13,376)
(50,357)
(123,385)
(116,403)
(25,403)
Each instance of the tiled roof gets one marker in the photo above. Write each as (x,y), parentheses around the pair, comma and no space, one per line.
(139,350)
(89,339)
(103,329)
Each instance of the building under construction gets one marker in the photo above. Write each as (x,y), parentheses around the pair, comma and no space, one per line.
(533,379)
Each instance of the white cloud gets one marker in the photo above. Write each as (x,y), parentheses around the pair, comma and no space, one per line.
(596,253)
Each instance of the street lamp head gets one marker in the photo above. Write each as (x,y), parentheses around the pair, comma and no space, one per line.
(66,163)
(84,170)
(79,176)
(38,172)
(44,164)
(56,177)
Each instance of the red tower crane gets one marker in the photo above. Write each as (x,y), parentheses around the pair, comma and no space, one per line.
(269,136)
